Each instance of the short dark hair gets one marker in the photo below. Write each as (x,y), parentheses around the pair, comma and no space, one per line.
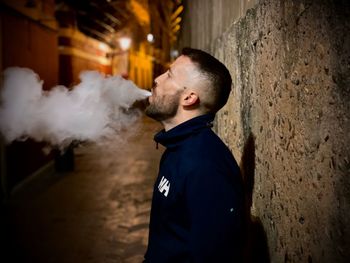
(217,74)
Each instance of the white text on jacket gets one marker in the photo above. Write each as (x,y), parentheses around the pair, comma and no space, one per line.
(164,186)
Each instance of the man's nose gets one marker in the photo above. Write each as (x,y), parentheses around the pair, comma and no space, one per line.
(158,79)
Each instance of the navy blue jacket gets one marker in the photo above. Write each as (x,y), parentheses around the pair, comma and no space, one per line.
(197,207)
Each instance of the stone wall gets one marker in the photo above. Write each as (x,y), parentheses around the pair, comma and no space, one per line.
(206,20)
(287,121)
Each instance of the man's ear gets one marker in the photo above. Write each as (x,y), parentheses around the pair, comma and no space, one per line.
(190,99)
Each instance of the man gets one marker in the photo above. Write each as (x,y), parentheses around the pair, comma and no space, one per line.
(197,207)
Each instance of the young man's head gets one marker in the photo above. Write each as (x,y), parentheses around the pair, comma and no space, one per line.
(195,84)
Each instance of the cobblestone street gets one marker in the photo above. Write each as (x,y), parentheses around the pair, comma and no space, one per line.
(98,213)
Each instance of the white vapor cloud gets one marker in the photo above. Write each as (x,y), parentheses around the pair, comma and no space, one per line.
(94,109)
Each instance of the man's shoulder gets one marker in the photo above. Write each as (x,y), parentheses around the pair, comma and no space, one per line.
(206,149)
(206,142)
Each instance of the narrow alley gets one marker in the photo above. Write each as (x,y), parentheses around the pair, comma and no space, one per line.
(98,213)
(68,65)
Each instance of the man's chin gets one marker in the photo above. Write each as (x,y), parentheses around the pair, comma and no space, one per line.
(148,109)
(151,112)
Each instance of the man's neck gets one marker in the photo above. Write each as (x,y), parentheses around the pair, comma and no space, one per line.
(180,118)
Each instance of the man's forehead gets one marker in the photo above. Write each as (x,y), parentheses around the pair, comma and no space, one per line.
(185,72)
(182,63)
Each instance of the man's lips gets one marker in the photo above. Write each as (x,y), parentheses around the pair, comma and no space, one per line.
(153,93)
(150,98)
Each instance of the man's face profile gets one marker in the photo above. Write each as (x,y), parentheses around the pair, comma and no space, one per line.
(166,94)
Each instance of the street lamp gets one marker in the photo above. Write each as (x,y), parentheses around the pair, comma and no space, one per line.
(124,43)
(150,38)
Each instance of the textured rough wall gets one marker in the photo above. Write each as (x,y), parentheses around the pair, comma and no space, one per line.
(287,122)
(206,20)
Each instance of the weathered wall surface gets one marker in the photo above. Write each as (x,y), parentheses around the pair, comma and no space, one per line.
(206,20)
(287,121)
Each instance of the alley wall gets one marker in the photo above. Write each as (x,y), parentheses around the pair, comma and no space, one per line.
(287,119)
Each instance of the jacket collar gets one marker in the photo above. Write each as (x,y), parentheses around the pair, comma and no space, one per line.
(176,135)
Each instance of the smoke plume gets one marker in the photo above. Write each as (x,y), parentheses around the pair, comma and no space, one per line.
(96,108)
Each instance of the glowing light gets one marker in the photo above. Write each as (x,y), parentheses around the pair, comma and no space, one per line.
(124,43)
(103,47)
(150,38)
(177,12)
(141,11)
